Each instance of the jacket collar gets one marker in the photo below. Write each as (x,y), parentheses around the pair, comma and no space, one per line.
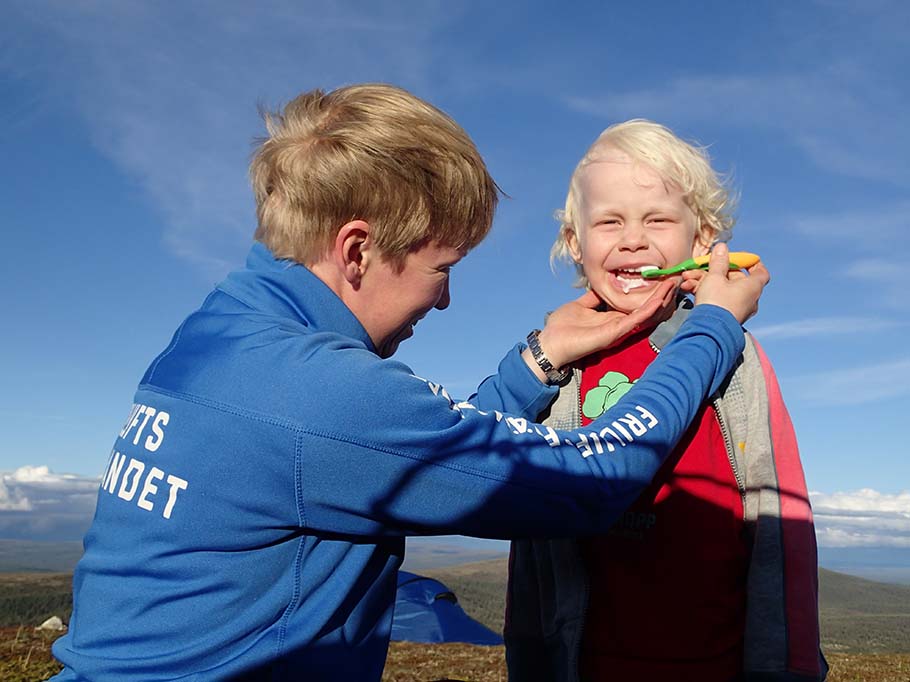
(290,290)
(667,329)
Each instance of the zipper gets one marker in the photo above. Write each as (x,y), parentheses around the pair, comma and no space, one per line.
(728,443)
(577,379)
(731,453)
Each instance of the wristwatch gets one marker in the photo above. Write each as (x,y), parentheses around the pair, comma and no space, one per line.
(554,376)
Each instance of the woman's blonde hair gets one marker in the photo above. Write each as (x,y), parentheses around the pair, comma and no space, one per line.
(685,165)
(372,152)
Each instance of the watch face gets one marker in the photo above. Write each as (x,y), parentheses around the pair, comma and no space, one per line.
(556,376)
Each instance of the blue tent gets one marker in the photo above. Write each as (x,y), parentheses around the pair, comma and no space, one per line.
(428,611)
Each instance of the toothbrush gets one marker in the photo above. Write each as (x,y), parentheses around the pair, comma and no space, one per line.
(738,261)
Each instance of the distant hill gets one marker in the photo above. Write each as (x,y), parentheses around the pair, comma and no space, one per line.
(882,564)
(857,615)
(22,556)
(422,558)
(32,598)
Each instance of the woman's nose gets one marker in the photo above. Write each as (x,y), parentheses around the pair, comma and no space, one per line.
(445,299)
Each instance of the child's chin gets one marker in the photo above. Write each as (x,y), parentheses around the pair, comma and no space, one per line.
(624,303)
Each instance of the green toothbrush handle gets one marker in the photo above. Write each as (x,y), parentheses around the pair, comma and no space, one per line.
(738,261)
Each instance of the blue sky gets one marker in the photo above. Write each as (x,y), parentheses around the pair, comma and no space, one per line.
(126,129)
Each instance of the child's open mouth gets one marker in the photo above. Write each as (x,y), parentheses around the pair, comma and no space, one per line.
(630,278)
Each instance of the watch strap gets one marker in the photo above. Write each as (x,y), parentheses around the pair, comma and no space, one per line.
(554,376)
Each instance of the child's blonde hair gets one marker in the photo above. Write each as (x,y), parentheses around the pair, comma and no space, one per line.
(372,152)
(685,165)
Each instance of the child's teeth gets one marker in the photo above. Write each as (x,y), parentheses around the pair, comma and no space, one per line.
(628,284)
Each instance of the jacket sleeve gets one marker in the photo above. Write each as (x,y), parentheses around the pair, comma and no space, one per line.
(416,462)
(782,634)
(514,389)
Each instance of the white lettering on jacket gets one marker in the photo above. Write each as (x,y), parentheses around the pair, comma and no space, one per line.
(619,433)
(145,413)
(129,478)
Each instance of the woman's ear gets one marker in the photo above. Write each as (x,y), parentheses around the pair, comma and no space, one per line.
(351,250)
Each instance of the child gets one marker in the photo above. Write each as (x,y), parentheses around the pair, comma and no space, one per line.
(711,575)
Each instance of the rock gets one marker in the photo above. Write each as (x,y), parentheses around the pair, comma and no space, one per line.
(53,623)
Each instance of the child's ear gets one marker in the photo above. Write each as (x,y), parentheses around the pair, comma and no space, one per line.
(572,244)
(702,245)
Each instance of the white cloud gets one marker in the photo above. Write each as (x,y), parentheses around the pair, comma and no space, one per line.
(859,232)
(862,518)
(888,223)
(855,386)
(169,93)
(839,113)
(37,504)
(877,269)
(824,326)
(884,275)
(12,499)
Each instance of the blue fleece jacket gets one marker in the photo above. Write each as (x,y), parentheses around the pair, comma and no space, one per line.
(251,519)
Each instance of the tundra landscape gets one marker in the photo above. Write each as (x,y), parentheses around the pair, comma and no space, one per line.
(865,627)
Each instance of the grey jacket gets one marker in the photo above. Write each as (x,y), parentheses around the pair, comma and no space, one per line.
(548,587)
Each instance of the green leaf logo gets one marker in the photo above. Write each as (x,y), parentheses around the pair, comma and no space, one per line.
(611,387)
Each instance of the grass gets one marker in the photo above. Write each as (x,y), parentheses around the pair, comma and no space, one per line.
(34,597)
(865,629)
(25,657)
(25,654)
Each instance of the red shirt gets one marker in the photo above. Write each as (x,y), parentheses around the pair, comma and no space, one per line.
(668,597)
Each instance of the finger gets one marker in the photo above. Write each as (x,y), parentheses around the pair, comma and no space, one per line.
(692,275)
(691,279)
(751,314)
(761,272)
(589,299)
(638,317)
(660,298)
(720,260)
(647,314)
(663,291)
(641,318)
